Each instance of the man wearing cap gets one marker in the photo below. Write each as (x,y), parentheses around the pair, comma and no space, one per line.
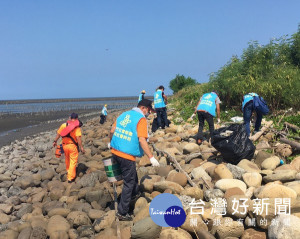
(129,140)
(71,141)
(142,95)
(160,101)
(206,110)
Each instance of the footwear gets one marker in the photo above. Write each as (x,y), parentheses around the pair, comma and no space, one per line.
(71,181)
(254,132)
(121,217)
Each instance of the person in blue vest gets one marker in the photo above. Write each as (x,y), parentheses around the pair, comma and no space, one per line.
(160,101)
(206,110)
(141,95)
(103,114)
(129,140)
(247,108)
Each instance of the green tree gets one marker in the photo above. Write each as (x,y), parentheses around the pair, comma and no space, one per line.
(295,48)
(180,82)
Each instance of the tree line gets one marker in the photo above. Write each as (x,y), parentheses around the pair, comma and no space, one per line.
(271,70)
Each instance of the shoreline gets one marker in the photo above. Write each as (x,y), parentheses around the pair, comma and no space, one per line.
(30,125)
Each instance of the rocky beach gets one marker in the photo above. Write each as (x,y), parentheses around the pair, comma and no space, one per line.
(37,202)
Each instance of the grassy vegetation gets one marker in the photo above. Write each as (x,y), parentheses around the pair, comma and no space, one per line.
(272,71)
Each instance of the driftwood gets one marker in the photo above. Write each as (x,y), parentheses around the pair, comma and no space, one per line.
(260,133)
(179,168)
(116,206)
(293,127)
(196,155)
(177,165)
(294,144)
(295,137)
(284,115)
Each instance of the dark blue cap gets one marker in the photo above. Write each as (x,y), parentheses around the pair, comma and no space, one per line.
(74,116)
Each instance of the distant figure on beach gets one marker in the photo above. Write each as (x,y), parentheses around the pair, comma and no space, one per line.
(160,101)
(129,140)
(103,114)
(142,95)
(71,141)
(206,110)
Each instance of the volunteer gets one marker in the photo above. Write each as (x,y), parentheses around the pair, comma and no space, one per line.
(206,110)
(71,141)
(142,95)
(160,101)
(247,108)
(129,140)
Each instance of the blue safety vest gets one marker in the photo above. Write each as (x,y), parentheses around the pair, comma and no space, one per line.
(208,103)
(125,138)
(159,100)
(104,111)
(140,97)
(248,98)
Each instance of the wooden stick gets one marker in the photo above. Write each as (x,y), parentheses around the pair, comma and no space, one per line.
(294,144)
(295,128)
(177,165)
(116,209)
(260,133)
(284,115)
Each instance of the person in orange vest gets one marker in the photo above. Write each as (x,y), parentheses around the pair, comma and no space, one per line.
(129,140)
(71,141)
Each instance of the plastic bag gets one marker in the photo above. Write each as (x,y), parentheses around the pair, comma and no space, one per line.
(234,147)
(102,119)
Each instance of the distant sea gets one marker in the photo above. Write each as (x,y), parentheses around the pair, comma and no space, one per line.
(21,118)
(56,105)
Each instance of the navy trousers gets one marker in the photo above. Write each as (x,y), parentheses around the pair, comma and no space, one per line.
(247,113)
(130,183)
(210,120)
(162,119)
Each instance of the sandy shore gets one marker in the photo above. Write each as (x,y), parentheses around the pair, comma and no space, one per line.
(17,126)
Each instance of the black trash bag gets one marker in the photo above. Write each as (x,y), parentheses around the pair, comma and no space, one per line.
(235,147)
(102,119)
(155,124)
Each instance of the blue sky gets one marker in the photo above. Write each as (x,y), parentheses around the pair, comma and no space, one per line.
(72,48)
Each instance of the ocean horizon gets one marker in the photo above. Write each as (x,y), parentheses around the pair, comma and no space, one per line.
(65,104)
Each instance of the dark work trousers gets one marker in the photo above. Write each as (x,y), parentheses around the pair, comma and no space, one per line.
(130,183)
(202,115)
(247,113)
(162,119)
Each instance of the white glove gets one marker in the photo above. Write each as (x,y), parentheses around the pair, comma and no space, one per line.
(108,146)
(219,121)
(193,115)
(154,162)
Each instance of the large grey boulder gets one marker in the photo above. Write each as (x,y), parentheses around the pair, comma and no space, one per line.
(286,228)
(145,229)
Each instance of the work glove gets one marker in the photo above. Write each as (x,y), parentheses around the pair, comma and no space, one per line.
(193,115)
(154,162)
(108,146)
(219,121)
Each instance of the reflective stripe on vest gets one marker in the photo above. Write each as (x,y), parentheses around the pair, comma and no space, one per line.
(208,103)
(247,98)
(125,138)
(159,100)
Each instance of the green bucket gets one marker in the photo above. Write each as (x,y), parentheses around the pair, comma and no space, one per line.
(112,169)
